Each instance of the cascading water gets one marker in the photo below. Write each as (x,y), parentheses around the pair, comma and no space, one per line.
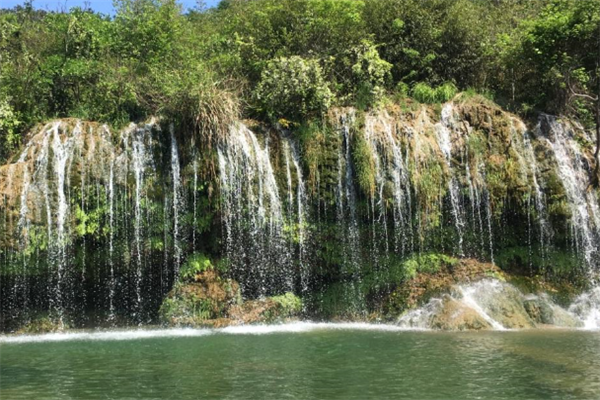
(298,209)
(139,160)
(177,201)
(78,198)
(443,131)
(347,218)
(74,210)
(574,175)
(111,247)
(252,215)
(540,206)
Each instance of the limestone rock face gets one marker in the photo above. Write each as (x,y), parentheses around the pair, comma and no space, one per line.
(213,301)
(456,316)
(543,311)
(502,302)
(202,302)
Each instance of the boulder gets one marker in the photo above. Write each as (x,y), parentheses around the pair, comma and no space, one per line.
(543,311)
(456,316)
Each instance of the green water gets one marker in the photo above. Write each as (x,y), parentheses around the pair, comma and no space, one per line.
(309,364)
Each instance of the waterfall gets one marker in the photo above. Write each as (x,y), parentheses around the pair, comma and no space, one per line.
(539,198)
(252,215)
(94,221)
(443,130)
(62,154)
(299,215)
(139,164)
(81,201)
(195,202)
(111,249)
(347,218)
(587,307)
(575,179)
(177,201)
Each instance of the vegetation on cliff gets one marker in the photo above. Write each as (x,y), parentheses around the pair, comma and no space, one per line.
(291,59)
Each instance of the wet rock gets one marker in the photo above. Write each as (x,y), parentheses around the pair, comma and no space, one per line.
(543,311)
(587,307)
(201,302)
(456,316)
(500,301)
(42,324)
(268,310)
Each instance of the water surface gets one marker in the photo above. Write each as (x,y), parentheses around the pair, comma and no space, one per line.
(302,361)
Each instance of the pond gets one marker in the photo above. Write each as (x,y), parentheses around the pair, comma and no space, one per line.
(301,361)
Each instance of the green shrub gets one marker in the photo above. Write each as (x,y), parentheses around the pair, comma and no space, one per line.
(426,263)
(445,92)
(424,93)
(194,265)
(289,304)
(293,87)
(9,125)
(370,74)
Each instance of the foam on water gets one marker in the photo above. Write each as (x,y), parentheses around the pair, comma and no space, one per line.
(294,327)
(105,335)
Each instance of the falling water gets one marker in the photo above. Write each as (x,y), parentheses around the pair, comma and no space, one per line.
(445,144)
(392,166)
(177,201)
(139,164)
(111,217)
(575,180)
(347,215)
(539,198)
(62,151)
(301,213)
(252,214)
(195,202)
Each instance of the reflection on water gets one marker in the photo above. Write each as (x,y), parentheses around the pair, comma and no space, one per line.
(306,361)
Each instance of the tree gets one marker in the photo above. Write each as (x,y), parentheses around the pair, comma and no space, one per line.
(293,87)
(594,99)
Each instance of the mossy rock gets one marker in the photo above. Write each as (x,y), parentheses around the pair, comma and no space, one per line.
(455,316)
(43,324)
(425,285)
(543,311)
(269,310)
(208,298)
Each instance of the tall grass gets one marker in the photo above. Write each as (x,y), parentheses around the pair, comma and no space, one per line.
(424,93)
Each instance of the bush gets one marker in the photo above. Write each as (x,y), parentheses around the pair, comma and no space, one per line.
(9,134)
(196,264)
(426,263)
(294,88)
(424,93)
(370,73)
(289,304)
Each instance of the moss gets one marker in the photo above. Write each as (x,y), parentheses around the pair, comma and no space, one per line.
(364,163)
(208,297)
(41,324)
(425,285)
(428,181)
(427,263)
(319,148)
(340,300)
(194,265)
(553,262)
(285,306)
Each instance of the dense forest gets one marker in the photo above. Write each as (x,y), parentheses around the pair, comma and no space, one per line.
(290,60)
